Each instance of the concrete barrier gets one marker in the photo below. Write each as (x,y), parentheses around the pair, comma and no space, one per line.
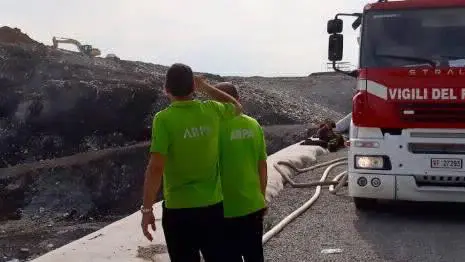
(124,241)
(121,241)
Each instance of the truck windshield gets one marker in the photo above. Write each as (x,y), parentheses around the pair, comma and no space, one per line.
(409,38)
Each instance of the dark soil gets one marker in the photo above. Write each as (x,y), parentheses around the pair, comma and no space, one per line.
(15,36)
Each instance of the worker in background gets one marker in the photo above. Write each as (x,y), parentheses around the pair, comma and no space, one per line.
(243,173)
(326,137)
(325,131)
(184,150)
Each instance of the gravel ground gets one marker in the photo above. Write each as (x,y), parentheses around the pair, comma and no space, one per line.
(393,232)
(301,99)
(35,238)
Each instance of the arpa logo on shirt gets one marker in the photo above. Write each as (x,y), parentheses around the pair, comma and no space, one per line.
(193,132)
(241,133)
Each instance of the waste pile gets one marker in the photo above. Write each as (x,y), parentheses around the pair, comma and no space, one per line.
(57,103)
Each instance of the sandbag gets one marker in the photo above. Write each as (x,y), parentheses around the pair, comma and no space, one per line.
(299,155)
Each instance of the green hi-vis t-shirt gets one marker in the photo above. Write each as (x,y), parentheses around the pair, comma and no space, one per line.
(187,133)
(242,145)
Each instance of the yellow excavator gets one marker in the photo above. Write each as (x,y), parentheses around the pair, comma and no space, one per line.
(85,49)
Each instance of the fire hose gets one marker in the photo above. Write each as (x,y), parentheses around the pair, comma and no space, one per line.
(335,185)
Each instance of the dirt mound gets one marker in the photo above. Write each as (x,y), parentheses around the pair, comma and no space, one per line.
(56,103)
(14,36)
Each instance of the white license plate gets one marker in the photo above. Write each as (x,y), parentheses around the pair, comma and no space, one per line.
(452,163)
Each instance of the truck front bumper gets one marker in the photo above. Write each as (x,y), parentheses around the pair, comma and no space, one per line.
(400,187)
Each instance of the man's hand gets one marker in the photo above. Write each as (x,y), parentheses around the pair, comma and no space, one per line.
(203,86)
(199,81)
(148,219)
(265,210)
(153,176)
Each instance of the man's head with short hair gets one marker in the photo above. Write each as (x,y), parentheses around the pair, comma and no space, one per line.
(179,81)
(229,89)
(330,123)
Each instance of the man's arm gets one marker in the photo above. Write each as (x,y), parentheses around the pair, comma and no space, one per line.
(154,172)
(217,94)
(158,150)
(262,166)
(263,173)
(153,176)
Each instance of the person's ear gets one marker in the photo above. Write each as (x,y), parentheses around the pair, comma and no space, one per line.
(167,93)
(194,88)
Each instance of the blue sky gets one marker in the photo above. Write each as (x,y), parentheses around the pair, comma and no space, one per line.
(240,37)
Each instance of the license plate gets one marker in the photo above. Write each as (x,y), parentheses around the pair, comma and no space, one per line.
(451,163)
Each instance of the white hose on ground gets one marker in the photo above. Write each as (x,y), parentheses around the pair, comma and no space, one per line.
(339,180)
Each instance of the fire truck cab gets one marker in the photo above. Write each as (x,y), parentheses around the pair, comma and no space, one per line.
(407,134)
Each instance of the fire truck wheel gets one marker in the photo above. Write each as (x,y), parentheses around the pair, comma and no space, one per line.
(364,204)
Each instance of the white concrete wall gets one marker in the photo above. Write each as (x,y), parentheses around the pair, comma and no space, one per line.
(124,241)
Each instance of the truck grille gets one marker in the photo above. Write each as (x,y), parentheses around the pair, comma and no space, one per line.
(452,181)
(436,148)
(430,112)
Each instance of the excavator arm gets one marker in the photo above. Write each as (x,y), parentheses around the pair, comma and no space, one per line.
(65,41)
(85,49)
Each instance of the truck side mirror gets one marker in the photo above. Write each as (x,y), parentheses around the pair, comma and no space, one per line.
(357,23)
(335,47)
(334,26)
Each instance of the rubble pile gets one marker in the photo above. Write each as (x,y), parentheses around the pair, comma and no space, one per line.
(15,36)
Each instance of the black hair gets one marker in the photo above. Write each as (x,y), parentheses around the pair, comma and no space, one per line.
(179,80)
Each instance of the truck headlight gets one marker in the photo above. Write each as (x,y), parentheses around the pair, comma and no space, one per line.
(372,162)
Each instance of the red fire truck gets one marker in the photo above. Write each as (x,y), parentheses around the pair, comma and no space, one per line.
(407,134)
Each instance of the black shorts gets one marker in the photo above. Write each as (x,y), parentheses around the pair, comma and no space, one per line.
(244,237)
(189,231)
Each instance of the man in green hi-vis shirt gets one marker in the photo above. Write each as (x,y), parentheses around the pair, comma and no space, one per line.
(243,172)
(184,150)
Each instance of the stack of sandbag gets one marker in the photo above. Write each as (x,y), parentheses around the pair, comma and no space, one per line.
(300,156)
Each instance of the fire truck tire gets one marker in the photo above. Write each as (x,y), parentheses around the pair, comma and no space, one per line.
(364,204)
